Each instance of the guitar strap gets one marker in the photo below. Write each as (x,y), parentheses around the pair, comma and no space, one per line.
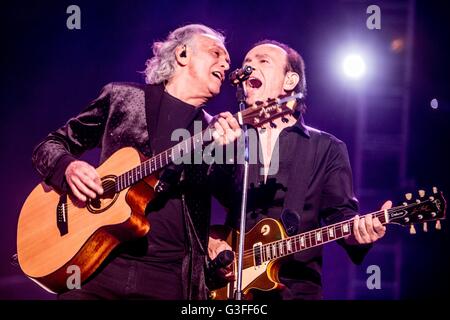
(299,175)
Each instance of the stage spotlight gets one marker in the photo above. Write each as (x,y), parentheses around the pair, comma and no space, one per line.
(434,104)
(354,66)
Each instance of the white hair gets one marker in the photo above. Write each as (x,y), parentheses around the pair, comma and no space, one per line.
(161,66)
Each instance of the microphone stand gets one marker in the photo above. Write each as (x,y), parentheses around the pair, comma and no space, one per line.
(240,95)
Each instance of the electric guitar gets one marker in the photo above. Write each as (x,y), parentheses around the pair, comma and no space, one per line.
(55,231)
(267,243)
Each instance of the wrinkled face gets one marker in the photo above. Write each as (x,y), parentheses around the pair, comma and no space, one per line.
(207,66)
(267,80)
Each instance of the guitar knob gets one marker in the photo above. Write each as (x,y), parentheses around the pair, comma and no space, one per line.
(438,225)
(412,230)
(425,227)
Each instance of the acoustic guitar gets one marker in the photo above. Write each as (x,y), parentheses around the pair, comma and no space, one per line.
(56,232)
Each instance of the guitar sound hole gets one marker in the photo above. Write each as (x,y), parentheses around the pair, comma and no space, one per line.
(107,199)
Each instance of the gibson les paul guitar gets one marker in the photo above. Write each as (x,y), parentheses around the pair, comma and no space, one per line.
(267,243)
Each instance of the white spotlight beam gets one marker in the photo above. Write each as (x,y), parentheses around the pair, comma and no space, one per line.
(354,66)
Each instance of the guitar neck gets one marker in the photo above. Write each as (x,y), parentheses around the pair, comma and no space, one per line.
(277,249)
(159,161)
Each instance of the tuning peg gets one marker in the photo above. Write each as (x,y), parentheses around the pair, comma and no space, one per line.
(408,196)
(435,190)
(421,193)
(412,230)
(438,225)
(425,227)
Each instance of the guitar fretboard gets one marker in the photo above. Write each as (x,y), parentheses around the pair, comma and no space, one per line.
(162,159)
(277,249)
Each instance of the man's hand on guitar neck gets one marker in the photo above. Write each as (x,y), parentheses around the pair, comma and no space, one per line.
(366,229)
(83,180)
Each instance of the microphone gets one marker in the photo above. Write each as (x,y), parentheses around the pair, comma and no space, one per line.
(240,75)
(212,277)
(223,259)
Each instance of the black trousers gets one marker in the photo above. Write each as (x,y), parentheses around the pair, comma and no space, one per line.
(123,278)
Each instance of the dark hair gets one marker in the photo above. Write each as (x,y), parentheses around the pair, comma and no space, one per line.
(294,63)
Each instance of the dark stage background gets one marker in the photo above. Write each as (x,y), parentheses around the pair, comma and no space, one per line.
(49,73)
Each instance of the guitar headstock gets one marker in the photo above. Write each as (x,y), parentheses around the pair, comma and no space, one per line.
(423,209)
(261,113)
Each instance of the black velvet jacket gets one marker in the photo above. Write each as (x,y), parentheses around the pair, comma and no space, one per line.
(122,117)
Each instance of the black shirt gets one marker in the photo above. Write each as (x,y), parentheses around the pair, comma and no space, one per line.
(167,236)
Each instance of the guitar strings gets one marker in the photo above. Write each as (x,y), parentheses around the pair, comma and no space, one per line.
(310,234)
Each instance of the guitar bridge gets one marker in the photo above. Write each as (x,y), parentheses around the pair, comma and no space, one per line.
(61,215)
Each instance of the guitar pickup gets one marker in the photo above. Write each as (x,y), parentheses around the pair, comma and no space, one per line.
(61,215)
(257,254)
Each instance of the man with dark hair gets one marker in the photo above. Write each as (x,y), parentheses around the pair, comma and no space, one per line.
(186,70)
(313,183)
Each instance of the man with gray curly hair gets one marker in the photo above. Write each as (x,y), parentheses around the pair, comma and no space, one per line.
(191,41)
(162,65)
(187,69)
